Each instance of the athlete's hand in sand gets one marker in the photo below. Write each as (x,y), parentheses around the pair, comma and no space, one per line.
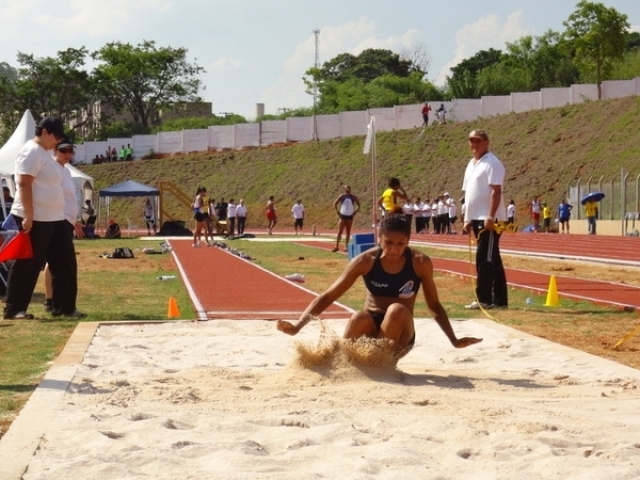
(466,341)
(287,327)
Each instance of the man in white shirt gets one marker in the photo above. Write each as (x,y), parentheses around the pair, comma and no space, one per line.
(484,204)
(232,214)
(241,216)
(298,217)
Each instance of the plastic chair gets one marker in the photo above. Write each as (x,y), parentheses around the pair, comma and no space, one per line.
(131,226)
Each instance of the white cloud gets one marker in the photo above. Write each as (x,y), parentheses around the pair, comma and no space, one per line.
(489,31)
(634,28)
(226,64)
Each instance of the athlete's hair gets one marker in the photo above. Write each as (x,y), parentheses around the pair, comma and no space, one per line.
(396,222)
(393,182)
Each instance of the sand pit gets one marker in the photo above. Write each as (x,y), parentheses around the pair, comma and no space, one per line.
(229,400)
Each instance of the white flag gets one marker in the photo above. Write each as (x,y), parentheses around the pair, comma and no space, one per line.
(370,136)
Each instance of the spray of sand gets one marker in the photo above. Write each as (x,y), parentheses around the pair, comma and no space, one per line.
(333,355)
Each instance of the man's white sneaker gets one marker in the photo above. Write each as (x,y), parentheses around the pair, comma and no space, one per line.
(478,306)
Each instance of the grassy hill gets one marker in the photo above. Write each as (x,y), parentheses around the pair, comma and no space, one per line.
(544,151)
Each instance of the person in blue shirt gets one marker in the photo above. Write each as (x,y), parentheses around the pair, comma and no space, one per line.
(564,213)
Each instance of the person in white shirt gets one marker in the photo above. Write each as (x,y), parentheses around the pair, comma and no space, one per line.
(346,205)
(232,215)
(241,216)
(418,208)
(298,217)
(38,208)
(511,212)
(63,153)
(484,205)
(408,208)
(149,216)
(453,216)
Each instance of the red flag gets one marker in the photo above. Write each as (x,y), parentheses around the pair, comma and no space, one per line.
(17,247)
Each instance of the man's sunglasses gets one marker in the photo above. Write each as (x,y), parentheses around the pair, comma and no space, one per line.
(65,150)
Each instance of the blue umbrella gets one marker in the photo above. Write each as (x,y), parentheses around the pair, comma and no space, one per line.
(592,197)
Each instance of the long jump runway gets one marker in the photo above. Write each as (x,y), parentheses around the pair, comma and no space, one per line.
(225,286)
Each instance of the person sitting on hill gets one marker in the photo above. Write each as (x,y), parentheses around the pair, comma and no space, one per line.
(113,230)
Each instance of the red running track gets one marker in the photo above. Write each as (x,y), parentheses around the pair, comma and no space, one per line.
(225,286)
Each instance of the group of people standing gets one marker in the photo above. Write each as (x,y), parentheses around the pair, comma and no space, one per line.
(209,215)
(540,210)
(46,208)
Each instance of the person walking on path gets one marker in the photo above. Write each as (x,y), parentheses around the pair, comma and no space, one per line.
(271,215)
(484,204)
(591,211)
(297,212)
(63,154)
(393,274)
(564,214)
(346,205)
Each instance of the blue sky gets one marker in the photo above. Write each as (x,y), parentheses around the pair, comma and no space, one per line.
(256,51)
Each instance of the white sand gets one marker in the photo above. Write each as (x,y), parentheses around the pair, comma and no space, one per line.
(223,400)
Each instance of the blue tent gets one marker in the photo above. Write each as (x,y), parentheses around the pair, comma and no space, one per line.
(127,189)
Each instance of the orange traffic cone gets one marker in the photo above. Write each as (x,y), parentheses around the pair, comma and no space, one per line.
(173,311)
(552,293)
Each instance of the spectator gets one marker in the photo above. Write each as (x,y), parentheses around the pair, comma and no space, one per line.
(38,209)
(535,209)
(8,202)
(408,208)
(232,213)
(113,230)
(114,154)
(546,217)
(89,213)
(388,312)
(297,212)
(425,114)
(564,214)
(453,216)
(241,214)
(511,212)
(271,215)
(426,215)
(122,154)
(149,216)
(221,210)
(484,204)
(418,208)
(591,211)
(388,201)
(441,113)
(63,154)
(346,205)
(128,152)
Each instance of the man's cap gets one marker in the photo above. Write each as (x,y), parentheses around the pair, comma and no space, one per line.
(52,125)
(446,194)
(65,142)
(479,133)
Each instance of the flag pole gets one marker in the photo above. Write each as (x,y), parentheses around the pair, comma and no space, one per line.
(370,148)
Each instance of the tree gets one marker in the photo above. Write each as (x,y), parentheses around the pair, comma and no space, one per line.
(482,59)
(53,85)
(143,79)
(597,35)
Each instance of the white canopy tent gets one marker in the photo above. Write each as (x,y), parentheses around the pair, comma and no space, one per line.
(9,152)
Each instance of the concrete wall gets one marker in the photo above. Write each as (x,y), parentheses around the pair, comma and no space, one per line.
(348,124)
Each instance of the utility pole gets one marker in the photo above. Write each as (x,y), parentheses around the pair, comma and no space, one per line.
(316,64)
